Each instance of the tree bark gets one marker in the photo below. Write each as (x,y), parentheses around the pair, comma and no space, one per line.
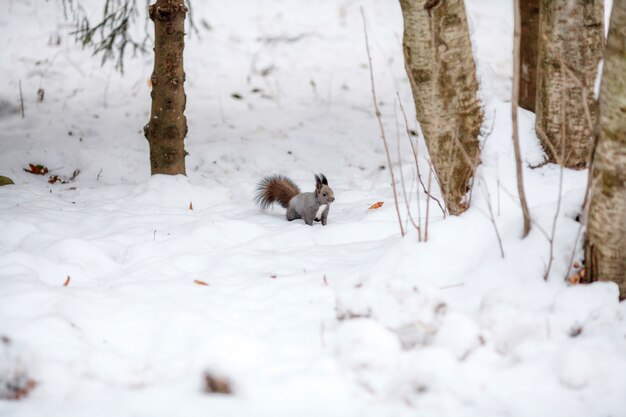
(605,244)
(571,33)
(528,53)
(167,127)
(440,66)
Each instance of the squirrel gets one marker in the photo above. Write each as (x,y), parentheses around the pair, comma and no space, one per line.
(308,206)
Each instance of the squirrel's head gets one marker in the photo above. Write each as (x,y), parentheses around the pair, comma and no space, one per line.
(323,192)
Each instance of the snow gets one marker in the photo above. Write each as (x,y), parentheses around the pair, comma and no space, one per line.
(347,319)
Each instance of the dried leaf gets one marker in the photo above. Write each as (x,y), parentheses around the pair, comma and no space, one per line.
(574,279)
(190,205)
(5,180)
(199,282)
(56,178)
(273,276)
(216,384)
(18,388)
(36,169)
(376,205)
(575,331)
(325,281)
(67,281)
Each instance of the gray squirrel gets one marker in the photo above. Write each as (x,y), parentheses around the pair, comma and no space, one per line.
(308,206)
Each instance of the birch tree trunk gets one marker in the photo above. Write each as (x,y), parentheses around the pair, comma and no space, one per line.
(529,10)
(571,33)
(605,245)
(440,66)
(167,127)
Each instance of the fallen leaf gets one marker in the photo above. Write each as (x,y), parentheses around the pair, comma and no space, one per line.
(67,281)
(56,178)
(5,180)
(197,281)
(19,388)
(36,169)
(273,276)
(574,279)
(575,331)
(190,205)
(376,205)
(216,384)
(325,281)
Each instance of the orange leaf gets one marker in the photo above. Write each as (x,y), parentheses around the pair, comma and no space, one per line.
(376,205)
(574,279)
(67,281)
(197,281)
(36,169)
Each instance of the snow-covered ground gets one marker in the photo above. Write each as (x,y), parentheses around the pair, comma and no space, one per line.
(349,319)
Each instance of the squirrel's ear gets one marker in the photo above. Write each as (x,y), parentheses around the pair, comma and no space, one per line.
(318,182)
(324,180)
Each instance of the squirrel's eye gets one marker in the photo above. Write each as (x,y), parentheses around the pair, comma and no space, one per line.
(324,194)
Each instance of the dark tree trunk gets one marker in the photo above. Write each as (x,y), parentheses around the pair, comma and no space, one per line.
(167,127)
(605,243)
(528,53)
(571,33)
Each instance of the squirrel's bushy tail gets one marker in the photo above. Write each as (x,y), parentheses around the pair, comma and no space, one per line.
(276,188)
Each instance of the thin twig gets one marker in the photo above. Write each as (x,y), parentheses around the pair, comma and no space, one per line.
(430,175)
(571,259)
(536,224)
(514,105)
(415,156)
(492,217)
(406,199)
(561,161)
(21,98)
(380,123)
(498,184)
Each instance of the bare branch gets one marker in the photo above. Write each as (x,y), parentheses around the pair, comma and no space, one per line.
(430,175)
(380,123)
(560,161)
(406,199)
(492,217)
(415,156)
(514,105)
(21,98)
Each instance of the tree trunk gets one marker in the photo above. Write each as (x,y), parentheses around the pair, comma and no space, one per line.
(528,53)
(440,66)
(605,245)
(167,127)
(571,33)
